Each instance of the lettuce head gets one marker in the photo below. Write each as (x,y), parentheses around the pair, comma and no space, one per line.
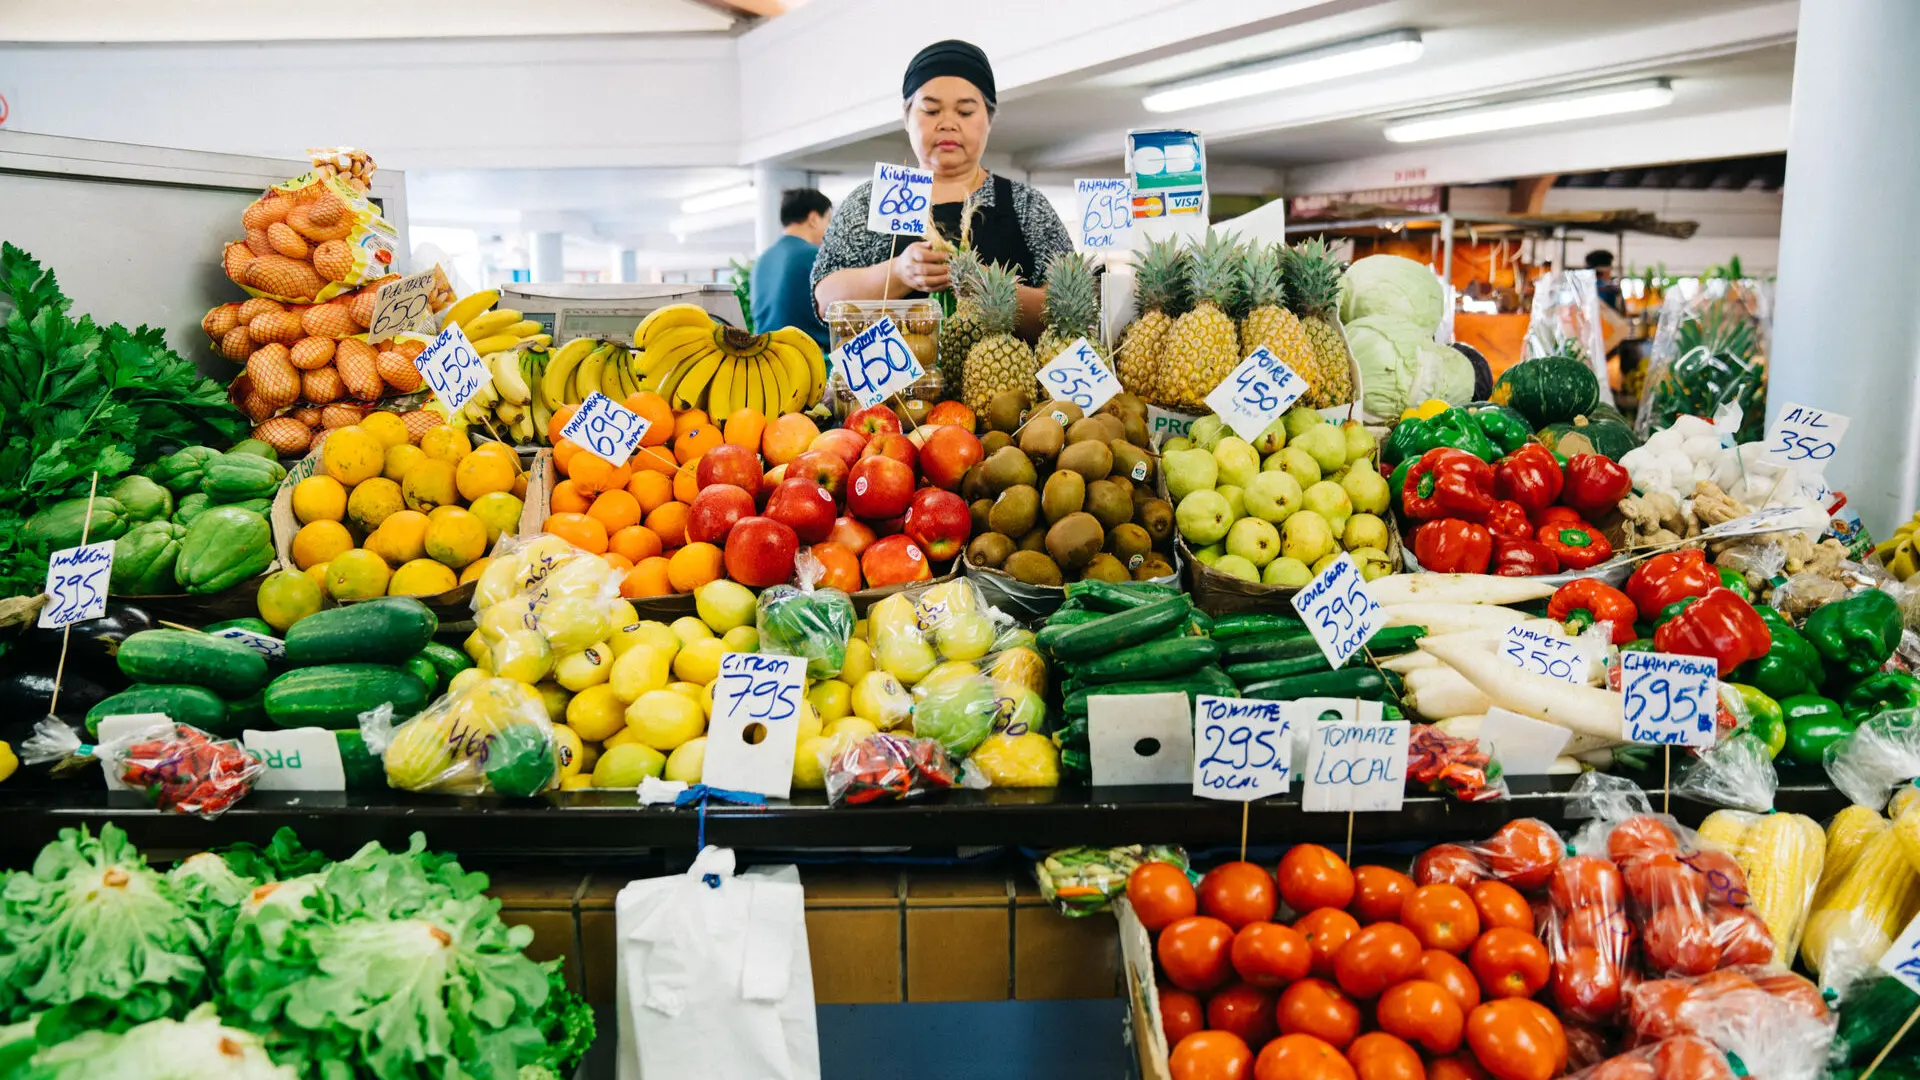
(1401,365)
(199,1047)
(1392,285)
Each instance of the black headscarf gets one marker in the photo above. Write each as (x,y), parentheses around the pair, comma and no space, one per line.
(958,58)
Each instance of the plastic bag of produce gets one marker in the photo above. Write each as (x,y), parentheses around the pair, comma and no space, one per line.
(1591,938)
(178,767)
(491,738)
(886,767)
(539,601)
(1566,322)
(1710,351)
(1081,881)
(807,622)
(1767,1016)
(1783,856)
(1737,771)
(947,628)
(1462,767)
(1522,853)
(1868,891)
(1869,763)
(1683,1057)
(1872,1012)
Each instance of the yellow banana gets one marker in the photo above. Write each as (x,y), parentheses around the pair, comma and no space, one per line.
(769,385)
(663,359)
(682,367)
(672,315)
(490,323)
(720,404)
(809,351)
(782,382)
(524,328)
(493,343)
(553,384)
(465,308)
(690,392)
(795,379)
(610,383)
(506,376)
(754,396)
(586,378)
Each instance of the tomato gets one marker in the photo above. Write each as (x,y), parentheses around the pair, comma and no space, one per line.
(1586,880)
(1448,864)
(1378,893)
(1301,1057)
(1586,984)
(1194,953)
(1653,1007)
(1211,1055)
(1742,937)
(1500,904)
(1238,893)
(1313,877)
(1160,894)
(1690,1058)
(1587,1044)
(1624,1067)
(1515,1039)
(1796,992)
(1725,881)
(1524,852)
(1380,1056)
(1424,1013)
(1455,1066)
(1451,974)
(1661,879)
(1609,930)
(1509,963)
(1376,958)
(1181,1014)
(1270,954)
(1638,837)
(1679,941)
(1316,1007)
(1442,917)
(1327,931)
(1247,1011)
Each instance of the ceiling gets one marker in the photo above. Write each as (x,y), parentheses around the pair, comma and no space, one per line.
(248,20)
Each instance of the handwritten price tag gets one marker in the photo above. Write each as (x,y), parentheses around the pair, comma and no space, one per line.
(1080,376)
(1544,654)
(452,368)
(1106,213)
(1902,961)
(877,363)
(1338,611)
(270,647)
(1356,765)
(1256,392)
(77,584)
(1243,751)
(1804,437)
(756,723)
(1772,519)
(900,201)
(1667,699)
(404,305)
(606,428)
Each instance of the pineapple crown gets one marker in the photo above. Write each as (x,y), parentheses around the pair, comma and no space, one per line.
(1260,277)
(1161,279)
(1311,276)
(963,267)
(1214,273)
(998,298)
(1073,300)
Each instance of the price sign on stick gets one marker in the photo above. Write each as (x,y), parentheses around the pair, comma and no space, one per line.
(877,363)
(1243,749)
(900,201)
(1804,438)
(404,305)
(1338,611)
(1668,699)
(756,723)
(1105,208)
(77,584)
(1356,765)
(1544,654)
(1080,376)
(1255,393)
(452,368)
(1772,519)
(607,429)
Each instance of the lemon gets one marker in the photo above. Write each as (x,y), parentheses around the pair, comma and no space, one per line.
(645,632)
(810,724)
(499,581)
(588,667)
(287,597)
(964,637)
(741,639)
(566,743)
(574,624)
(832,699)
(1028,760)
(500,513)
(429,484)
(402,537)
(475,569)
(620,738)
(594,713)
(522,655)
(663,719)
(319,498)
(554,698)
(851,726)
(689,630)
(908,659)
(386,427)
(687,761)
(466,680)
(455,537)
(859,629)
(498,620)
(400,459)
(724,604)
(577,783)
(477,649)
(445,443)
(706,698)
(357,575)
(319,541)
(622,613)
(373,501)
(695,693)
(880,700)
(485,473)
(951,671)
(859,661)
(699,661)
(625,766)
(952,597)
(421,577)
(351,455)
(640,669)
(538,557)
(809,764)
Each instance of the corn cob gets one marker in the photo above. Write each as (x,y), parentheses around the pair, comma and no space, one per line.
(1787,852)
(1869,907)
(1847,836)
(1727,830)
(1903,800)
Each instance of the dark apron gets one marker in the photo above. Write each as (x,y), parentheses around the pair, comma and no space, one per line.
(996,230)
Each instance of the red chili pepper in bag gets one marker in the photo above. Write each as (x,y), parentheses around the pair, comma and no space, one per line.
(1509,519)
(1670,577)
(1576,544)
(1523,558)
(1582,603)
(1529,476)
(1719,625)
(1448,483)
(1453,546)
(1595,484)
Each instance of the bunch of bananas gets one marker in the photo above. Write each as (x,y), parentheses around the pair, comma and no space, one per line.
(512,348)
(579,368)
(696,363)
(1896,552)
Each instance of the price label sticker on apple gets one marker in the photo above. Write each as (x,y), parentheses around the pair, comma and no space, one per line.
(1804,437)
(452,368)
(1254,394)
(1243,749)
(1338,611)
(1080,376)
(900,201)
(756,723)
(1106,213)
(877,363)
(606,429)
(1668,699)
(403,306)
(1544,654)
(77,584)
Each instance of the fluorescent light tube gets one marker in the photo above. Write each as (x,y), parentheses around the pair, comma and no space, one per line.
(1602,101)
(717,200)
(1266,76)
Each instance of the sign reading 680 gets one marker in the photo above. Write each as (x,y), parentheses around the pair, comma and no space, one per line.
(899,201)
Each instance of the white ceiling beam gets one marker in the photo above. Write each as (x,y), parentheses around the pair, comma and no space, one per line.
(149,21)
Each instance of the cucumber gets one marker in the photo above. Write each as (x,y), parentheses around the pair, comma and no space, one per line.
(362,767)
(1268,670)
(1207,680)
(381,630)
(1256,624)
(1396,639)
(1363,683)
(1153,660)
(1115,632)
(1201,622)
(193,705)
(1255,650)
(448,660)
(334,695)
(1111,596)
(188,656)
(248,712)
(423,668)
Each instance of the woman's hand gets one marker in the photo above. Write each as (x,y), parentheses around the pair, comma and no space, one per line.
(922,268)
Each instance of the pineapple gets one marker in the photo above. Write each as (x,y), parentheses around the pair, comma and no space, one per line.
(1160,286)
(1270,324)
(1312,278)
(1203,347)
(998,361)
(1073,308)
(960,330)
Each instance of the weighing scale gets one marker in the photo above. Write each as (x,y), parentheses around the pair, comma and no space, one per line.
(609,312)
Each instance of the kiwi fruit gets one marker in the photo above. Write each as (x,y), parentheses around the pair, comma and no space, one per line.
(1034,540)
(1125,485)
(1014,511)
(1142,495)
(995,440)
(1091,459)
(1153,566)
(1113,426)
(973,483)
(1007,410)
(1132,462)
(1065,413)
(1125,404)
(990,549)
(1129,541)
(981,508)
(912,411)
(1032,567)
(1074,540)
(1105,567)
(1008,467)
(1157,518)
(1085,429)
(1108,503)
(1065,493)
(1042,438)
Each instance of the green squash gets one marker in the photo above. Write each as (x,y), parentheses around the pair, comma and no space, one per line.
(232,478)
(1548,389)
(1600,435)
(144,499)
(257,448)
(62,524)
(180,472)
(190,508)
(223,547)
(144,559)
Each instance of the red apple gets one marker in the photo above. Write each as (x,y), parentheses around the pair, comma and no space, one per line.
(879,487)
(889,526)
(773,478)
(847,444)
(715,511)
(760,552)
(729,463)
(805,507)
(851,533)
(951,412)
(873,420)
(786,437)
(894,445)
(894,560)
(823,467)
(940,522)
(949,453)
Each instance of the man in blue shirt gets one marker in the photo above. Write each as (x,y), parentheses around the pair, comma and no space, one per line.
(782,277)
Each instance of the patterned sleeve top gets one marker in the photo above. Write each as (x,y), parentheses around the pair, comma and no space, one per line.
(849,243)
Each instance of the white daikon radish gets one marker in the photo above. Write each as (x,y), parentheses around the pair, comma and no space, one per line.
(1456,589)
(1566,765)
(1439,692)
(1584,710)
(1408,662)
(1491,637)
(1452,618)
(1463,727)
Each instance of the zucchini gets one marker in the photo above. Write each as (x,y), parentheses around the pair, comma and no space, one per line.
(448,660)
(334,695)
(1153,660)
(1207,680)
(188,656)
(1396,639)
(1111,596)
(361,766)
(196,706)
(1364,683)
(1073,617)
(1254,650)
(1268,670)
(378,630)
(1114,632)
(1257,624)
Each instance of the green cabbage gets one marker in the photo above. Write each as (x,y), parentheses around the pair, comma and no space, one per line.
(1392,285)
(1401,365)
(197,1048)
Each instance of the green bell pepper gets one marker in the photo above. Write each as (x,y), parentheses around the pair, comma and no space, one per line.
(1639,644)
(1792,664)
(1503,427)
(1453,428)
(1856,635)
(1813,722)
(1398,482)
(1885,691)
(1736,581)
(1673,609)
(1765,719)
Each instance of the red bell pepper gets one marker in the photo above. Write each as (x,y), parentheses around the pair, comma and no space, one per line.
(1509,519)
(1582,603)
(1448,483)
(1529,476)
(1558,515)
(1453,546)
(1719,625)
(1523,558)
(1669,577)
(1576,544)
(1595,484)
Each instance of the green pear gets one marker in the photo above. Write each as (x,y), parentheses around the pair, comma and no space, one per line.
(1306,536)
(1273,496)
(1207,431)
(1360,441)
(1176,444)
(1299,419)
(1237,460)
(1367,488)
(1301,466)
(1272,439)
(1291,573)
(1210,554)
(1189,471)
(1203,517)
(1320,565)
(1238,567)
(1275,462)
(1364,531)
(1325,444)
(1254,540)
(1236,497)
(1373,563)
(1330,501)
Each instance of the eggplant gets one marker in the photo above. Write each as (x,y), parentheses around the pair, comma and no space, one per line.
(26,693)
(94,640)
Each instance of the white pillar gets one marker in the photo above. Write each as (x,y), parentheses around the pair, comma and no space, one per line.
(768,182)
(1847,316)
(627,266)
(548,252)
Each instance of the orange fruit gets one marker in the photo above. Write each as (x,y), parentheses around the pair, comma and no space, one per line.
(687,420)
(636,542)
(647,578)
(686,482)
(669,522)
(581,531)
(520,485)
(693,566)
(658,459)
(651,488)
(618,561)
(695,441)
(592,474)
(560,417)
(566,499)
(745,427)
(656,412)
(564,452)
(842,567)
(616,510)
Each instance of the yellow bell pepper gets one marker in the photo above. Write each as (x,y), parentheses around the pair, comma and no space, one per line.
(1426,410)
